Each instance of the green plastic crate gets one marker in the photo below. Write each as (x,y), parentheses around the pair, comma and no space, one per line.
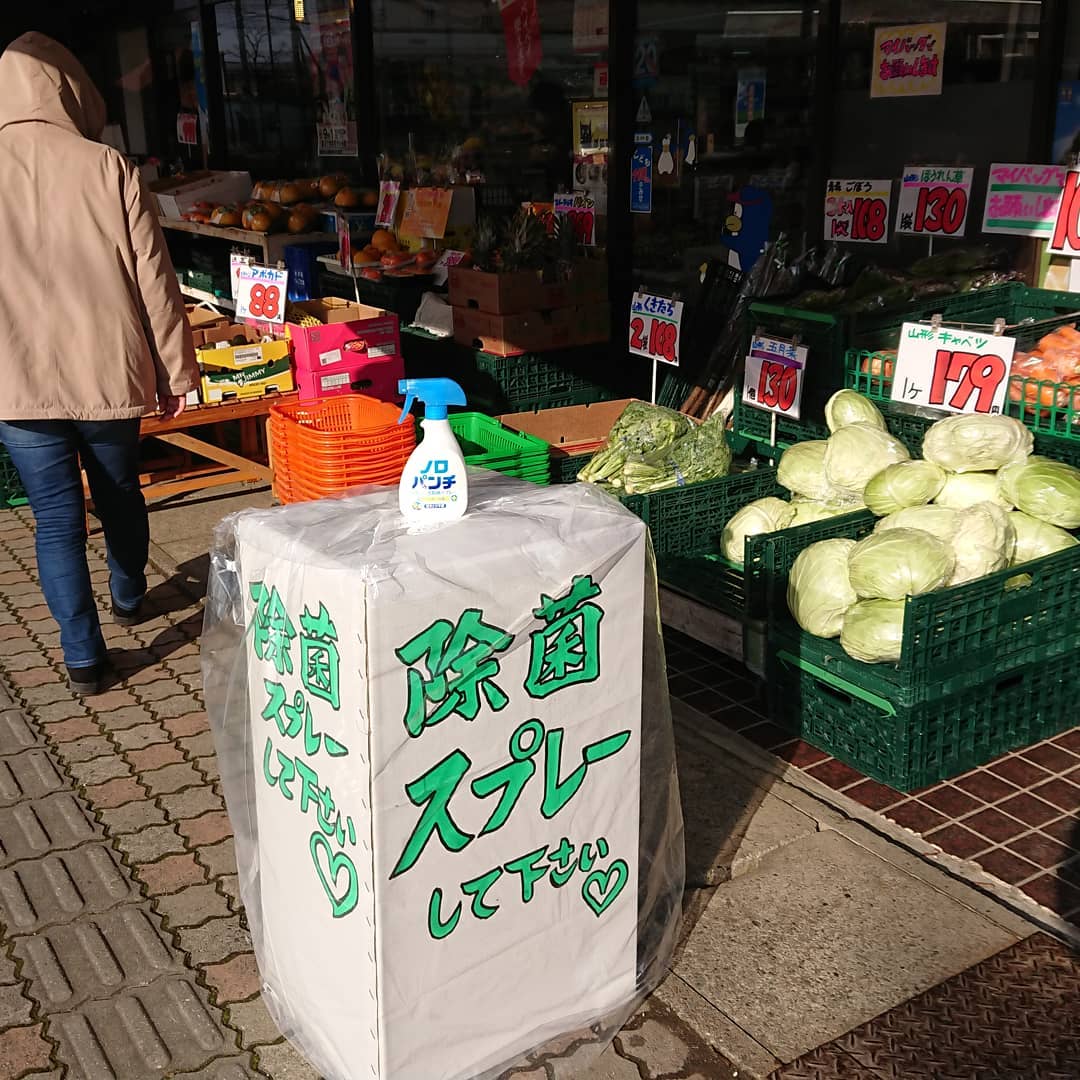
(12,492)
(565,467)
(911,747)
(486,444)
(538,380)
(953,638)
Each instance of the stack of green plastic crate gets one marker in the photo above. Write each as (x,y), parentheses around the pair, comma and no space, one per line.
(486,444)
(11,488)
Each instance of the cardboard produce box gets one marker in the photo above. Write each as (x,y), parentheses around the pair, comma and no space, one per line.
(572,430)
(176,195)
(238,345)
(524,290)
(220,385)
(202,318)
(511,335)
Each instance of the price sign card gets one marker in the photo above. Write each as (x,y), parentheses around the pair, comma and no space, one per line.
(655,324)
(934,200)
(260,293)
(1066,236)
(236,263)
(579,210)
(389,194)
(775,370)
(960,371)
(1023,200)
(857,211)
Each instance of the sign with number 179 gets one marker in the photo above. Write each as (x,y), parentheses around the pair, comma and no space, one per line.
(655,323)
(955,370)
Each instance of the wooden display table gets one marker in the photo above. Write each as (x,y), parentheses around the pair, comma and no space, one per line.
(271,245)
(227,467)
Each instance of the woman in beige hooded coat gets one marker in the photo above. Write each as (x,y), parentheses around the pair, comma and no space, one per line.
(93,335)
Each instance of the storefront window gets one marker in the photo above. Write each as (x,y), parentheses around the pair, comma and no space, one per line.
(288,83)
(511,100)
(722,98)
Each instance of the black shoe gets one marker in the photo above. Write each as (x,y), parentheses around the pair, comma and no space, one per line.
(127,616)
(87,681)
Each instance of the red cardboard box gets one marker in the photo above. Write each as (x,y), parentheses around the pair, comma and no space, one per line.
(357,345)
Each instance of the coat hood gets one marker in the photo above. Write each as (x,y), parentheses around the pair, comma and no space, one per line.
(41,81)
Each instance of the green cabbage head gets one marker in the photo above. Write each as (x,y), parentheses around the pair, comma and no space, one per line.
(939,521)
(809,510)
(907,483)
(983,544)
(761,516)
(1035,539)
(857,452)
(847,407)
(896,563)
(962,490)
(1047,490)
(873,631)
(819,590)
(976,443)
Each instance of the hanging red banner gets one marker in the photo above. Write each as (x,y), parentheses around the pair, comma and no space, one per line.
(524,49)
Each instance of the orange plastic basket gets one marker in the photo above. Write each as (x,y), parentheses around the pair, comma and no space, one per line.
(323,448)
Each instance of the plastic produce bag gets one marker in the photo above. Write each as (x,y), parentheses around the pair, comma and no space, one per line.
(397,713)
(702,454)
(819,588)
(641,429)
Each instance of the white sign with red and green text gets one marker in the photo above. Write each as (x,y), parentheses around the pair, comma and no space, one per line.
(655,327)
(857,211)
(775,370)
(955,370)
(934,200)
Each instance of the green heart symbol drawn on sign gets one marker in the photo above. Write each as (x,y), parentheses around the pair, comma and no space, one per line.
(599,890)
(337,863)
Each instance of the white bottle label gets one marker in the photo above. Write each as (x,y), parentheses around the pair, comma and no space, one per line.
(435,486)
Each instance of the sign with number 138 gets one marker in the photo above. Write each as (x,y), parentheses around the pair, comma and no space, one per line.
(655,323)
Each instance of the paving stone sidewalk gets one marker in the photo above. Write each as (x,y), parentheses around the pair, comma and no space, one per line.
(124,952)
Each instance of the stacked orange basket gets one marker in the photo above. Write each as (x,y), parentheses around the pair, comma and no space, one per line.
(321,448)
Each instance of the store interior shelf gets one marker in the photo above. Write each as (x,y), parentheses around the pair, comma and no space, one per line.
(272,245)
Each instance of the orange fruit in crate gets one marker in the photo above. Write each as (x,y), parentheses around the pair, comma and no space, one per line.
(385,242)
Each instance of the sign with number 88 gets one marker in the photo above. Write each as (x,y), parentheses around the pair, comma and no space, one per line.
(265,301)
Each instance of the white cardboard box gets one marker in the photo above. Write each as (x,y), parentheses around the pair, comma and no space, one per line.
(367,960)
(218,187)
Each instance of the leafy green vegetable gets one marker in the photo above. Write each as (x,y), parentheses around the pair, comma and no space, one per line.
(641,429)
(940,521)
(983,544)
(962,490)
(703,454)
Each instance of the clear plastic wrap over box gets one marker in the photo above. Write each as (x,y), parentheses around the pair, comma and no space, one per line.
(448,761)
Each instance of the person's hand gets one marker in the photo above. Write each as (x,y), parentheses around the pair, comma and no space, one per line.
(171,405)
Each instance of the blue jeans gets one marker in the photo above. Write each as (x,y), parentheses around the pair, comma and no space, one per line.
(47,455)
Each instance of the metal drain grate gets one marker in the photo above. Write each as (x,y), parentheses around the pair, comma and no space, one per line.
(1015,1016)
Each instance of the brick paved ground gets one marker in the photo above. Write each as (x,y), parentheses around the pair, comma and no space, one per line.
(125,954)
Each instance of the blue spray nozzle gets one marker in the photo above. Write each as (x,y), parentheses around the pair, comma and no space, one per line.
(436,394)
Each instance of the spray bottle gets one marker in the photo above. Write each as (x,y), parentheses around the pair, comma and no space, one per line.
(434,487)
